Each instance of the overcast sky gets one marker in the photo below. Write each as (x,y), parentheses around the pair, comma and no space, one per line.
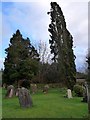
(32,20)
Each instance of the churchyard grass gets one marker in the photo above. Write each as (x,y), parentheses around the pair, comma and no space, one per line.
(51,105)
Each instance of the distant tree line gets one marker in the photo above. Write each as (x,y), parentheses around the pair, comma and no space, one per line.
(80,75)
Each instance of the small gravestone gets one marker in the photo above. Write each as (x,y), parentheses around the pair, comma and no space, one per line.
(33,88)
(69,93)
(10,91)
(46,88)
(25,99)
(4,85)
(17,91)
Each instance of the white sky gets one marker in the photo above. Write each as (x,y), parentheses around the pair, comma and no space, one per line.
(32,20)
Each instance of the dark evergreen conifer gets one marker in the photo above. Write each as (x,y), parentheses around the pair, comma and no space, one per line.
(88,80)
(61,44)
(21,61)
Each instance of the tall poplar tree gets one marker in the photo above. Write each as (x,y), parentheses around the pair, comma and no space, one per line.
(61,44)
(88,80)
(21,61)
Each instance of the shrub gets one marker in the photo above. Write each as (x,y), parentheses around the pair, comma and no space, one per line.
(78,89)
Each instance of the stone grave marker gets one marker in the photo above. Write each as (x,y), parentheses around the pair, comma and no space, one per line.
(4,85)
(33,88)
(69,93)
(25,99)
(46,88)
(10,91)
(17,91)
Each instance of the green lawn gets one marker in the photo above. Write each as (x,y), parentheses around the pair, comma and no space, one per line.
(51,105)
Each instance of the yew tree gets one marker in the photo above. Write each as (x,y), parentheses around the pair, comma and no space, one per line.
(21,60)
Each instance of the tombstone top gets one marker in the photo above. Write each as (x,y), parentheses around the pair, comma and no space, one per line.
(10,87)
(68,90)
(47,86)
(23,90)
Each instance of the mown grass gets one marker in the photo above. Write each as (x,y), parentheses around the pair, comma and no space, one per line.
(51,105)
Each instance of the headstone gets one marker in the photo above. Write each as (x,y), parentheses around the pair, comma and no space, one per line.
(10,91)
(33,88)
(4,85)
(45,89)
(17,91)
(25,99)
(69,93)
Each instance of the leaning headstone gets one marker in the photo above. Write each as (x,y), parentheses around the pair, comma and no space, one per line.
(46,88)
(33,88)
(10,91)
(25,99)
(69,93)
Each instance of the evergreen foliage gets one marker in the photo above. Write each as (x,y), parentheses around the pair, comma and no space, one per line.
(21,61)
(88,61)
(61,44)
(88,80)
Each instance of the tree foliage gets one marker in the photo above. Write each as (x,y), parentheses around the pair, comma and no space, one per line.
(61,44)
(21,61)
(88,79)
(88,61)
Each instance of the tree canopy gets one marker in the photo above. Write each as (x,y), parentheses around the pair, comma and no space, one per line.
(61,44)
(21,61)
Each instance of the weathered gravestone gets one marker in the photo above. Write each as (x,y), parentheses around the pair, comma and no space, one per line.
(69,93)
(17,91)
(10,91)
(33,88)
(25,99)
(4,85)
(46,88)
